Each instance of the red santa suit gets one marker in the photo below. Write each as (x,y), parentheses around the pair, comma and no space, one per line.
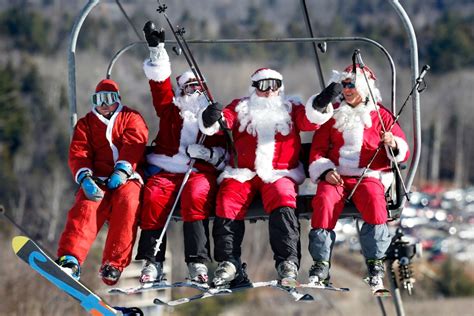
(266,133)
(178,128)
(97,145)
(347,143)
(268,144)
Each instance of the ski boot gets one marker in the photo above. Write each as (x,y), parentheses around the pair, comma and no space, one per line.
(152,272)
(70,265)
(198,273)
(319,273)
(287,273)
(227,275)
(109,274)
(376,269)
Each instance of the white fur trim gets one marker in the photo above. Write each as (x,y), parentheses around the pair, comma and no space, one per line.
(211,130)
(244,174)
(110,125)
(157,68)
(177,163)
(349,153)
(266,73)
(317,167)
(402,150)
(315,116)
(264,154)
(239,174)
(185,77)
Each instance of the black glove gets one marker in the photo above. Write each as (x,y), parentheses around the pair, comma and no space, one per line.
(326,96)
(212,114)
(152,36)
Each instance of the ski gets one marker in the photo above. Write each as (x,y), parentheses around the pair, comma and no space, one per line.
(226,291)
(158,286)
(378,291)
(329,287)
(28,251)
(381,292)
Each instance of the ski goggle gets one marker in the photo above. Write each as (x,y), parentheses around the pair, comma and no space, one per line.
(267,84)
(348,84)
(191,87)
(104,98)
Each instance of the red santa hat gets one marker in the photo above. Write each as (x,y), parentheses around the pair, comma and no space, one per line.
(265,73)
(107,85)
(359,78)
(185,77)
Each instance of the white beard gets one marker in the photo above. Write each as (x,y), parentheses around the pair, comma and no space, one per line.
(260,115)
(349,118)
(190,104)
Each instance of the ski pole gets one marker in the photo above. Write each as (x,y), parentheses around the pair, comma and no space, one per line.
(418,81)
(193,65)
(159,241)
(18,226)
(361,64)
(198,75)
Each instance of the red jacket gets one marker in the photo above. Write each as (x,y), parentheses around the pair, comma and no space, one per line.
(98,143)
(271,155)
(349,150)
(175,134)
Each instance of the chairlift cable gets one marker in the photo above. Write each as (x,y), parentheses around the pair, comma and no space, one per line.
(140,37)
(310,30)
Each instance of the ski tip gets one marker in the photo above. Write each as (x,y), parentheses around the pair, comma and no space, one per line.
(18,242)
(382,293)
(157,301)
(306,298)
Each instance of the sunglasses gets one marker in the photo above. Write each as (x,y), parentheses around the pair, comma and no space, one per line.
(267,84)
(191,87)
(349,85)
(104,98)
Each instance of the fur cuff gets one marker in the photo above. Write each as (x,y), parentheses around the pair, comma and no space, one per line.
(157,67)
(402,150)
(315,116)
(317,167)
(240,174)
(211,130)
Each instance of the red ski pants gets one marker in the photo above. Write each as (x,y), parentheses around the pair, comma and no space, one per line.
(120,208)
(159,194)
(368,198)
(234,197)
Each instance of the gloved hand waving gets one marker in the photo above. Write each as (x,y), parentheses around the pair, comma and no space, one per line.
(152,35)
(90,188)
(122,171)
(327,96)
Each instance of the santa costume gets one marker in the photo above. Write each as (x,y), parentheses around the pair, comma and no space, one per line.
(267,142)
(98,144)
(169,161)
(346,144)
